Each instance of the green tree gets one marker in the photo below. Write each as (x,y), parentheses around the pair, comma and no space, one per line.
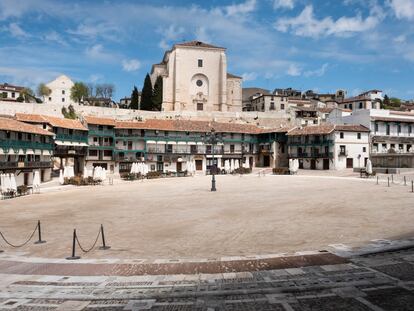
(146,95)
(79,91)
(43,90)
(134,99)
(69,113)
(157,95)
(27,95)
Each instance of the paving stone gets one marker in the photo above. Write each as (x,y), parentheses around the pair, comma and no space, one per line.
(252,306)
(329,304)
(73,305)
(348,292)
(392,299)
(403,271)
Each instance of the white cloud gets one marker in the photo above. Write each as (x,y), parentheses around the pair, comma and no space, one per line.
(171,34)
(93,78)
(294,70)
(131,65)
(242,8)
(403,9)
(16,31)
(202,35)
(306,25)
(97,52)
(53,36)
(27,76)
(284,4)
(400,39)
(249,76)
(318,72)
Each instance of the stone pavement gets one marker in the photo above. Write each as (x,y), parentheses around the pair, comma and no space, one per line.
(376,281)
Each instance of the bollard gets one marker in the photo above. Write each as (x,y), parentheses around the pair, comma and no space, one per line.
(388,181)
(392,178)
(405,181)
(39,231)
(377,180)
(412,186)
(104,246)
(73,257)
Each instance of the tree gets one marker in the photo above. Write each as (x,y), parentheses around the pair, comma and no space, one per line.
(105,90)
(27,94)
(134,99)
(69,113)
(157,95)
(146,94)
(78,91)
(43,90)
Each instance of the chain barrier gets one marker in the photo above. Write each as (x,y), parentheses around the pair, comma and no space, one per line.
(19,245)
(92,247)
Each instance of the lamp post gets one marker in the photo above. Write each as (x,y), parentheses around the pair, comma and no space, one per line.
(212,139)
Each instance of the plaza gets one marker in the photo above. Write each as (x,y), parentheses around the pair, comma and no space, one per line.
(179,218)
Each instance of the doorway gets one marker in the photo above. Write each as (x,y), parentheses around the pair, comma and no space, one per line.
(349,163)
(179,167)
(199,165)
(326,164)
(313,164)
(266,161)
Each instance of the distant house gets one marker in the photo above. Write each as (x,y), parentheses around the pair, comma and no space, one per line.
(125,102)
(10,92)
(60,91)
(99,102)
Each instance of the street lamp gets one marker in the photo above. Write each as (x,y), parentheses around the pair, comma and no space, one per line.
(212,139)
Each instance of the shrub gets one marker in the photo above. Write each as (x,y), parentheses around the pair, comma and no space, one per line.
(242,170)
(152,175)
(22,190)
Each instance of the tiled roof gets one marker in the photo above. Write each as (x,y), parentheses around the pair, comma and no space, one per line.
(351,128)
(190,126)
(53,121)
(391,119)
(7,124)
(10,87)
(99,121)
(230,76)
(403,113)
(283,129)
(354,99)
(324,110)
(198,44)
(327,128)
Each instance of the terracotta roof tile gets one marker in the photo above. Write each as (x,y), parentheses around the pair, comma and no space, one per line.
(53,121)
(7,124)
(99,121)
(325,129)
(230,76)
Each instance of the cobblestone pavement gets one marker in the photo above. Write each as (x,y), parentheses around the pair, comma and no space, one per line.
(379,281)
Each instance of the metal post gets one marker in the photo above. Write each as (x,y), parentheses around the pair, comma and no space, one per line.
(412,186)
(405,181)
(104,246)
(392,178)
(39,231)
(73,257)
(388,181)
(377,180)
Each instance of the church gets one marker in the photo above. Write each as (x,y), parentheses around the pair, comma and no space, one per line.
(195,78)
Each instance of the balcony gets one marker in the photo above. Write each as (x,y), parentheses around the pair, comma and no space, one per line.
(72,138)
(105,146)
(311,155)
(19,144)
(21,165)
(312,143)
(343,153)
(102,133)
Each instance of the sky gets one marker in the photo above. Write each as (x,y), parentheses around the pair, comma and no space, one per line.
(323,45)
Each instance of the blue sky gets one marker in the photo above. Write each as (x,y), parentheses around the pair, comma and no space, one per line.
(322,45)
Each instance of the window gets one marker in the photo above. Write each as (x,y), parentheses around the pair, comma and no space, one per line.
(342,149)
(272,106)
(341,135)
(95,139)
(364,149)
(410,130)
(199,106)
(359,135)
(63,99)
(200,63)
(93,153)
(142,133)
(392,146)
(199,83)
(168,148)
(4,94)
(13,94)
(361,105)
(388,129)
(282,106)
(399,128)
(350,106)
(376,127)
(107,153)
(63,92)
(232,148)
(50,99)
(401,147)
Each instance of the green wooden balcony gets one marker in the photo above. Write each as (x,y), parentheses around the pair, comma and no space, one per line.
(20,144)
(72,138)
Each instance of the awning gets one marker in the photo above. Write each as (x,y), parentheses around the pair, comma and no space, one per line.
(215,156)
(172,143)
(192,143)
(181,143)
(200,143)
(162,142)
(11,151)
(151,142)
(29,151)
(1,151)
(83,144)
(21,151)
(38,152)
(46,152)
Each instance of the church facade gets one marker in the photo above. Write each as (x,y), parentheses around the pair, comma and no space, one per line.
(195,78)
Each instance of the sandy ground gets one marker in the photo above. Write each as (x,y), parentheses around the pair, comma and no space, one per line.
(181,218)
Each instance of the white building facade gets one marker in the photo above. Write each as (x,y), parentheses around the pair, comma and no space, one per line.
(60,91)
(195,78)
